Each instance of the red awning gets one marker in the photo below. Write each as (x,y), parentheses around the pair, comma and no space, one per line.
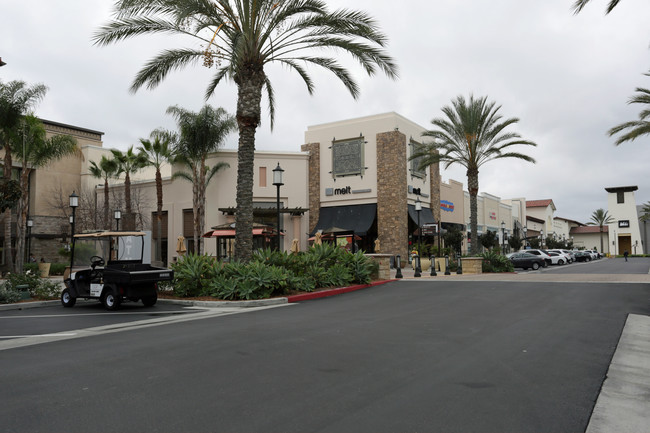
(230,233)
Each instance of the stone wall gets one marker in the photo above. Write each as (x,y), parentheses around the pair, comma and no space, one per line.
(314,182)
(392,214)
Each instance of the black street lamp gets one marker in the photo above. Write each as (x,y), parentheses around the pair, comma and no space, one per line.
(503,237)
(277,181)
(418,268)
(74,203)
(117,214)
(30,224)
(541,238)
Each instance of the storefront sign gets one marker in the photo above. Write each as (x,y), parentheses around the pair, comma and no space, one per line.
(624,223)
(446,205)
(345,190)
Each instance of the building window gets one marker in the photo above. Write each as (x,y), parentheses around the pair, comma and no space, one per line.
(262,177)
(620,197)
(348,157)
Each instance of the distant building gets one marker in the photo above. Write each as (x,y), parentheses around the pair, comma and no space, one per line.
(624,233)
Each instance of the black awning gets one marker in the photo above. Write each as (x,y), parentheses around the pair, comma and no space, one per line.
(426,216)
(356,218)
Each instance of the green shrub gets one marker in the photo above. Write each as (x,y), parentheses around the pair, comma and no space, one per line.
(495,262)
(46,290)
(58,268)
(27,278)
(192,274)
(8,296)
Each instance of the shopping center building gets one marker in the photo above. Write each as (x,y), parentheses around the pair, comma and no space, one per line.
(353,178)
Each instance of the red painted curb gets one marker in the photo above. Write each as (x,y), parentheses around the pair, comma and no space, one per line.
(333,292)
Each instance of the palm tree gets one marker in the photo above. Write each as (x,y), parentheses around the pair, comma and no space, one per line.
(16,99)
(158,151)
(199,135)
(580,4)
(636,128)
(35,150)
(600,217)
(471,134)
(106,169)
(129,163)
(240,38)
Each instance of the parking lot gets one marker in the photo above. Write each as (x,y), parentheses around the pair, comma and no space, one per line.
(422,355)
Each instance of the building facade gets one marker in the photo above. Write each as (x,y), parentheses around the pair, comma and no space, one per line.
(624,232)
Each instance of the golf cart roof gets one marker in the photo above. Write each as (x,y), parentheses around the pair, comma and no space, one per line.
(108,234)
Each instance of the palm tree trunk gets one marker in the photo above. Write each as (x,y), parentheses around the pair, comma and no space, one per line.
(22,219)
(472,187)
(107,221)
(249,89)
(195,209)
(159,196)
(198,223)
(601,239)
(127,200)
(7,214)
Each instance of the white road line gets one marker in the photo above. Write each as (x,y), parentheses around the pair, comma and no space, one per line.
(62,334)
(105,313)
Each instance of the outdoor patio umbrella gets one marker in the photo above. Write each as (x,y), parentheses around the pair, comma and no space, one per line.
(180,246)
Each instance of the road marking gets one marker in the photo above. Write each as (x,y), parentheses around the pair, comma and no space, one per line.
(128,326)
(151,313)
(62,334)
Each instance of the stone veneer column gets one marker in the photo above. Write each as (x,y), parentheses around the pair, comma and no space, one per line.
(314,182)
(434,175)
(392,188)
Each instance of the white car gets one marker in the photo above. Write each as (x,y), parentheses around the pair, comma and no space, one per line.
(594,254)
(568,256)
(557,258)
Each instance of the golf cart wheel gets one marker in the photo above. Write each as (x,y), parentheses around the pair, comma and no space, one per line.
(66,299)
(110,301)
(535,266)
(150,301)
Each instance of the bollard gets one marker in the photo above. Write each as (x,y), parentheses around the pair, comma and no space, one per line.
(433,266)
(398,265)
(418,269)
(459,271)
(447,271)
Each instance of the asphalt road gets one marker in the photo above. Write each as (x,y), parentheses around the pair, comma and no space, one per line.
(405,356)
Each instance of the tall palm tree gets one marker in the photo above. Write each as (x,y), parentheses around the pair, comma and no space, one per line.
(106,169)
(240,38)
(636,128)
(35,150)
(580,4)
(129,163)
(600,217)
(471,134)
(199,135)
(158,151)
(16,99)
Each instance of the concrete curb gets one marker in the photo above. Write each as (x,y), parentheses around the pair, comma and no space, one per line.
(27,305)
(222,304)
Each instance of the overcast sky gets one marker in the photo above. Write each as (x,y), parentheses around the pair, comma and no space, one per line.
(566,77)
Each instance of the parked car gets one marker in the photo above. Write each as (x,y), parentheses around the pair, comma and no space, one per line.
(582,256)
(525,260)
(568,256)
(542,254)
(557,258)
(594,254)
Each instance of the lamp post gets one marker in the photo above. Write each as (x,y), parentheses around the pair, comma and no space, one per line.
(30,224)
(541,238)
(277,181)
(503,238)
(418,269)
(117,214)
(74,202)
